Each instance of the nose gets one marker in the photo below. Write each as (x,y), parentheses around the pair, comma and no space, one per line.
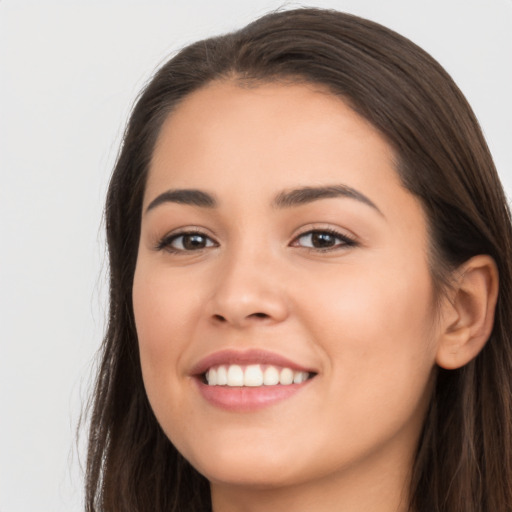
(248,291)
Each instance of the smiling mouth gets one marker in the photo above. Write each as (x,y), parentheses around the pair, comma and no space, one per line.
(254,375)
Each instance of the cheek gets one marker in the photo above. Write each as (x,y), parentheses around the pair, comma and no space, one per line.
(162,320)
(389,302)
(165,319)
(376,330)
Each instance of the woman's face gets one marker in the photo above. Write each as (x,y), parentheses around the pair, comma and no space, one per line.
(278,245)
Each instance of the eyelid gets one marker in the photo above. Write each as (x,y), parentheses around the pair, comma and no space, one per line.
(164,243)
(347,239)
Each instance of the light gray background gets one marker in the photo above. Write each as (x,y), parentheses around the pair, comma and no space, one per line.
(69,72)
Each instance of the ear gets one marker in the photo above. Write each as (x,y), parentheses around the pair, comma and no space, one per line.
(468,315)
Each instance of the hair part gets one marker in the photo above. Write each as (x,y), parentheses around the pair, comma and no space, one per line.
(463,463)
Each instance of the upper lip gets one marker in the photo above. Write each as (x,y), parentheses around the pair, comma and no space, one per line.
(246,357)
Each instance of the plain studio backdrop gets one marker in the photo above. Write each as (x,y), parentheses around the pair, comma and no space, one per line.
(69,73)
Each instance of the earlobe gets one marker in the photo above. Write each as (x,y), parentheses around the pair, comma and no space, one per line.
(469,316)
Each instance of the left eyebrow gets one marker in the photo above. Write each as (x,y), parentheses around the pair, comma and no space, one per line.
(304,195)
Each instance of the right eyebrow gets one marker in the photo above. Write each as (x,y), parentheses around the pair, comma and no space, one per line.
(191,197)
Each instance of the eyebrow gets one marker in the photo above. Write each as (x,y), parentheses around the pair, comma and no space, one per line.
(191,197)
(306,195)
(285,199)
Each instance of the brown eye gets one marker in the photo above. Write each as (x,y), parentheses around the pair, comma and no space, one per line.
(324,240)
(185,242)
(321,240)
(192,242)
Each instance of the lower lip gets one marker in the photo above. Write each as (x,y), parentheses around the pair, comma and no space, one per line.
(246,399)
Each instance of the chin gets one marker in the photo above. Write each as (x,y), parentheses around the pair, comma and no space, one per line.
(258,470)
(249,477)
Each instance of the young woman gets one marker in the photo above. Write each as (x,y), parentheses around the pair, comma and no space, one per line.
(310,284)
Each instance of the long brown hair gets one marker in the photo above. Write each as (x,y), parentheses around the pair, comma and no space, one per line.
(464,457)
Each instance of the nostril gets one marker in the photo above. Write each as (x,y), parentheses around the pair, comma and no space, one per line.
(259,315)
(240,320)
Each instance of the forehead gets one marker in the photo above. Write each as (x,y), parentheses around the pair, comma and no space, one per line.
(224,116)
(243,141)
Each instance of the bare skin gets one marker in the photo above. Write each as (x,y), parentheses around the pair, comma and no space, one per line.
(339,284)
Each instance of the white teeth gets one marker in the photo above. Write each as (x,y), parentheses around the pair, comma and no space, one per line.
(271,376)
(253,376)
(212,377)
(286,376)
(222,376)
(235,375)
(298,377)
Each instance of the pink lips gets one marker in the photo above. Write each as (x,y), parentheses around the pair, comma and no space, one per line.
(245,399)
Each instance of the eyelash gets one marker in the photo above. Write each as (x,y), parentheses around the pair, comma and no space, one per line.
(166,241)
(346,241)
